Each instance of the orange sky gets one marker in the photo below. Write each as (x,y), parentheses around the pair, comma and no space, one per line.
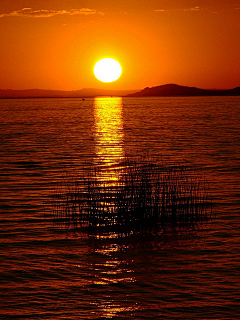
(54,44)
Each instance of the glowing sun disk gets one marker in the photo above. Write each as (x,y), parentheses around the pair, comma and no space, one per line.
(107,70)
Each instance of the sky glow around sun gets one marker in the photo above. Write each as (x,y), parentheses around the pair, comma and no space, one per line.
(55,44)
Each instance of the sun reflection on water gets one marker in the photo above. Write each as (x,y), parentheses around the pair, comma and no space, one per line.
(109,138)
(113,272)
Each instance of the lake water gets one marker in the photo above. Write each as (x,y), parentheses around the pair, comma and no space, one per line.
(48,272)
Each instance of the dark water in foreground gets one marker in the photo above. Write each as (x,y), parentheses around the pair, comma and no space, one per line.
(47,272)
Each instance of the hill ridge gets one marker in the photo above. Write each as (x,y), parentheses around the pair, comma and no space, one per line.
(172,90)
(166,90)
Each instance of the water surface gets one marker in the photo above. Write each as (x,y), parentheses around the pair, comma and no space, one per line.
(50,273)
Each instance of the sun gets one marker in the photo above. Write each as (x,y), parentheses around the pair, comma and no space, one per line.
(107,70)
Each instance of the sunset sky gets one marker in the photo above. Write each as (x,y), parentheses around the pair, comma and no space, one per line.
(54,44)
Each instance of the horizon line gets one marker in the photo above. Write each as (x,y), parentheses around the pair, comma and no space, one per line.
(104,89)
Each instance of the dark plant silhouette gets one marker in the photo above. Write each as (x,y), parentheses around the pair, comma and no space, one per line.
(148,197)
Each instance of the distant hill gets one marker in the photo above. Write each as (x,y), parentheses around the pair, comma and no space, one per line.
(174,90)
(83,93)
(167,90)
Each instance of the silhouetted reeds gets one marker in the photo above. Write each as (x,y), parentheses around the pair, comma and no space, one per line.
(147,197)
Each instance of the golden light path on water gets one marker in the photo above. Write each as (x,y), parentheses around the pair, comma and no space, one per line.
(113,271)
(109,149)
(109,138)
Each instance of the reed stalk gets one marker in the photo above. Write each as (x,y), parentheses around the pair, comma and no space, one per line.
(148,197)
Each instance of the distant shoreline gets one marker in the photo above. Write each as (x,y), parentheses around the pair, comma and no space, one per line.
(167,90)
(41,93)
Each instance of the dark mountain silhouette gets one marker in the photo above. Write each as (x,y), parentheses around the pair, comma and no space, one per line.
(167,90)
(40,93)
(174,90)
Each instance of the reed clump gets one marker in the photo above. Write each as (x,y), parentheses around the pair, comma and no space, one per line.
(147,197)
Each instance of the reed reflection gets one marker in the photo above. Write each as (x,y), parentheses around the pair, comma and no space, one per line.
(109,138)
